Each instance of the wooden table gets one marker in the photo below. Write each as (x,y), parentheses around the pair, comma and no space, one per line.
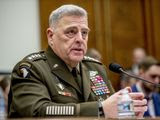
(76,118)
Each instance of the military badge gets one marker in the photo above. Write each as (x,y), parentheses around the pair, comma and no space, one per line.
(61,86)
(24,70)
(99,87)
(61,90)
(64,93)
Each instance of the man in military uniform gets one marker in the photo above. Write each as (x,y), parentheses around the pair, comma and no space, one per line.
(62,81)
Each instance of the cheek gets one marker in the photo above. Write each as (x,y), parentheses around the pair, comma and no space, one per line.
(85,50)
(67,46)
(147,78)
(85,43)
(69,43)
(63,41)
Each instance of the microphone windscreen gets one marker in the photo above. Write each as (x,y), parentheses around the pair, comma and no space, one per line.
(115,67)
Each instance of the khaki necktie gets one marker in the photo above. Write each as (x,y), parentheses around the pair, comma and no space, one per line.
(77,77)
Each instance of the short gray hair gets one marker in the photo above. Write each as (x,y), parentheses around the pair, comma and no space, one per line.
(65,10)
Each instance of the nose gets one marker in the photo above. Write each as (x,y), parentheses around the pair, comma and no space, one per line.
(79,37)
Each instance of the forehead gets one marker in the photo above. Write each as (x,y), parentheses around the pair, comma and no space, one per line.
(154,69)
(73,21)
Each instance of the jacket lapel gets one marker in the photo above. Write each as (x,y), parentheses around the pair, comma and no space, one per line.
(66,76)
(156,101)
(86,82)
(59,68)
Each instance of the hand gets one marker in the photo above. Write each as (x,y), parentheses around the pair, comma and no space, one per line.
(140,104)
(110,104)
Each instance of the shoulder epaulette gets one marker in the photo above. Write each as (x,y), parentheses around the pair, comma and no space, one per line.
(36,56)
(90,59)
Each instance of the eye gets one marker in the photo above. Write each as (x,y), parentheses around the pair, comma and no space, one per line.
(154,76)
(84,34)
(71,33)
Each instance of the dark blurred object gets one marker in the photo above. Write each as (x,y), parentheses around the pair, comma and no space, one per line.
(4,73)
(138,55)
(3,112)
(92,52)
(5,86)
(4,82)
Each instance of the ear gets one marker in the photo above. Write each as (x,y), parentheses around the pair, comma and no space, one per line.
(50,34)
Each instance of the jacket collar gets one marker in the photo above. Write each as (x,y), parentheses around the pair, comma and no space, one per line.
(60,69)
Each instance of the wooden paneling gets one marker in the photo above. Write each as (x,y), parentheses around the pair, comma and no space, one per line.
(127,29)
(155,27)
(151,26)
(117,26)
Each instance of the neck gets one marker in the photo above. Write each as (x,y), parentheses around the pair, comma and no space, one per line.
(72,66)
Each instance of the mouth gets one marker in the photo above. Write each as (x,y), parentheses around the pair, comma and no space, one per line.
(78,50)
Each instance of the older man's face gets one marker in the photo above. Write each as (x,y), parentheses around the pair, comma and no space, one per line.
(70,39)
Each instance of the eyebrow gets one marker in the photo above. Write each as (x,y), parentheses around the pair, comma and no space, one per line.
(86,28)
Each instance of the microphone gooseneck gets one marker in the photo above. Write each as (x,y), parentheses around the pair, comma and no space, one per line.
(114,67)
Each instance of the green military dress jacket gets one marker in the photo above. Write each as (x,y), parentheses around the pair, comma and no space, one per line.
(43,86)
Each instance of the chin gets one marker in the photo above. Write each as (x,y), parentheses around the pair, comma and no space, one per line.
(77,58)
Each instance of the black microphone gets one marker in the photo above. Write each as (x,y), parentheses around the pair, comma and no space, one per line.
(114,67)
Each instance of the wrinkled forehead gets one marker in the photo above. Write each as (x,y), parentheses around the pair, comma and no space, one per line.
(73,21)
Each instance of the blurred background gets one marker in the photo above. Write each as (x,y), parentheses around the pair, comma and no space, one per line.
(117,27)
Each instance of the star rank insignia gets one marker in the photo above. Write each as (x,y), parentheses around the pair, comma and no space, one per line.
(99,87)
